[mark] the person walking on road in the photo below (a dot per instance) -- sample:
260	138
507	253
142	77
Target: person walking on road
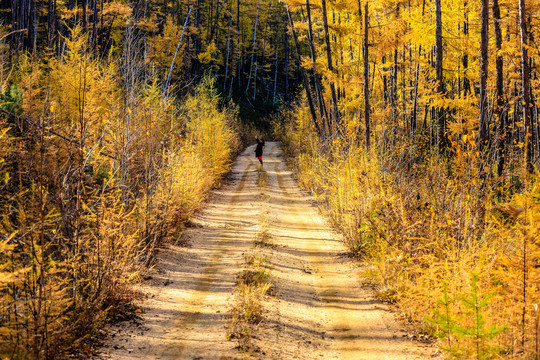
259	149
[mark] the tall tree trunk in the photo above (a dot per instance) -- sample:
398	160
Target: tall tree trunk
414	115
254	45
330	67
84	6
385	80
51	19
215	27
240	48
465	59
94	24
196	65
318	91
275	72
228	50
101	24
32	25
176	52
366	75
255	80
286	45
441	111
277	58
500	110
393	91
484	63
526	84
264	31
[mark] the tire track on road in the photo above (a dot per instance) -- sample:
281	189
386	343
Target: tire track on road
206	280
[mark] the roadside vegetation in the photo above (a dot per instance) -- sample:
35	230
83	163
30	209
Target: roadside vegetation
91	186
418	135
456	251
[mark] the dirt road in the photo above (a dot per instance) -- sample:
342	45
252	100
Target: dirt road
318	308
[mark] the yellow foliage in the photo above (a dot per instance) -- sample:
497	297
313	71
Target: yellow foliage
112	173
209	55
421	227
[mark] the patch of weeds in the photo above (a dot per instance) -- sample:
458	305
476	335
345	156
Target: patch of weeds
252	284
263	235
262	179
253	259
263	238
370	277
389	296
250	297
256	278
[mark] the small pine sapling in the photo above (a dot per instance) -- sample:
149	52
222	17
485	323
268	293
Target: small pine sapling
450	328
444	320
475	303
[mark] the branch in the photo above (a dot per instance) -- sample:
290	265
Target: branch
33	123
11	33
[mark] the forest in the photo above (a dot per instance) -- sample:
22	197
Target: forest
413	123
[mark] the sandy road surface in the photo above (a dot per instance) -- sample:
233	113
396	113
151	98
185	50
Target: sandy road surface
318	310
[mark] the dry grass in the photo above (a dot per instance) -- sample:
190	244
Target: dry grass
251	287
262	179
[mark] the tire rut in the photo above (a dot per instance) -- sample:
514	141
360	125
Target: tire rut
207	279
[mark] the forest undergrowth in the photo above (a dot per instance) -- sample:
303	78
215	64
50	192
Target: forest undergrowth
459	256
96	173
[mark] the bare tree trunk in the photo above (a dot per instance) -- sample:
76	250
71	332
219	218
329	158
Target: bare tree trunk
228	49
255	80
366	75
275	73
239	68
484	63
441	111
414	117
254	43
526	84
196	64
465	60
385	81
415	101
330	67
393	91
215	27
318	92
286	44
100	25
31	25
276	64
264	31
176	52
35	20
51	17
500	109
84	6
94	24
